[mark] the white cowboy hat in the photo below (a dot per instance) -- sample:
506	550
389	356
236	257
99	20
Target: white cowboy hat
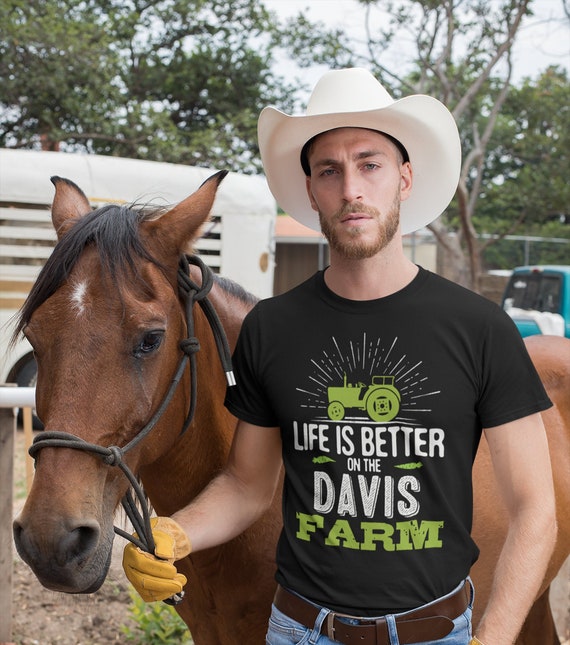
354	98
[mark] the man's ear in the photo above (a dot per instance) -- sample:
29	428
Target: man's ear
406	180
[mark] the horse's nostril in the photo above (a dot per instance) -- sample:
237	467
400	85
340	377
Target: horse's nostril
78	543
17	530
26	548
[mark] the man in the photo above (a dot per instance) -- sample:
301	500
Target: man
372	382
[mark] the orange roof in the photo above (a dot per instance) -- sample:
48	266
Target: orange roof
286	226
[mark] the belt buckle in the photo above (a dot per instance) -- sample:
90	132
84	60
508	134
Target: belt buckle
330	625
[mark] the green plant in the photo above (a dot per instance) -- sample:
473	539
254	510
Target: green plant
155	624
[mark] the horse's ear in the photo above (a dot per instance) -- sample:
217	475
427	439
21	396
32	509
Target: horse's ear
69	204
178	227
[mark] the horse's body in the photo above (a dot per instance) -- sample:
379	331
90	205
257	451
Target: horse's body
551	356
107	340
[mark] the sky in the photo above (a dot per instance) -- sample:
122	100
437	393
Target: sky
542	40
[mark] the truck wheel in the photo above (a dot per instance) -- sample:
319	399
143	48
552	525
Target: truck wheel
382	405
335	411
27	376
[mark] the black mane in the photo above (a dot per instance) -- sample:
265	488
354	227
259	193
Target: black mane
114	230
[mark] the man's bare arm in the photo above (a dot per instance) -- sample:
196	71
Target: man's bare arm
240	493
521	462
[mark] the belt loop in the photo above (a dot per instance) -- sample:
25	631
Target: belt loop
316	633
392	629
330	625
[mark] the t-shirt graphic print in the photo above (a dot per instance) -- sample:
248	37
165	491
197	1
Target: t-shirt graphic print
365	398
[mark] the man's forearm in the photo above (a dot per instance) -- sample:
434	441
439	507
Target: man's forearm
220	513
518	577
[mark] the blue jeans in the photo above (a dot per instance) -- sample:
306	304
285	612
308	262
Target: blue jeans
285	631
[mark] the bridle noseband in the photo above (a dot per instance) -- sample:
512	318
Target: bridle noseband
191	293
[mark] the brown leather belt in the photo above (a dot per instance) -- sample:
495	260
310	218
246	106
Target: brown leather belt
424	624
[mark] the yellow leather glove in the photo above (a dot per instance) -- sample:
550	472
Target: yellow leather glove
156	578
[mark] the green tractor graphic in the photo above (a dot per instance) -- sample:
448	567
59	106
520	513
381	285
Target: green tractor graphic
380	399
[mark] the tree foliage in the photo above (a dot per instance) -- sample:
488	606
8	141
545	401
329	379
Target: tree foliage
528	157
56	71
169	80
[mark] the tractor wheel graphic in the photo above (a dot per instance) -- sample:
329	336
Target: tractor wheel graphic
335	411
382	405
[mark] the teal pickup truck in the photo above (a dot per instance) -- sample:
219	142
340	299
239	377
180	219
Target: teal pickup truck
537	298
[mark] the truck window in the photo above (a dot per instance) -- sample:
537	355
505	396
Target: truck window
537	291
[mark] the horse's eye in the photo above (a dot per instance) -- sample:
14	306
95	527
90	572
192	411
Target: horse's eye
150	342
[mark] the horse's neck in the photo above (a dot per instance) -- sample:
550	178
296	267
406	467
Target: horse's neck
230	308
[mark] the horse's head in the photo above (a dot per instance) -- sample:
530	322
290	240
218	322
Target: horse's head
105	321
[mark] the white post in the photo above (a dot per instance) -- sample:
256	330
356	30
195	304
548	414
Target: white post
7	430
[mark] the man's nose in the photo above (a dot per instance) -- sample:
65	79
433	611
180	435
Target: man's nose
352	189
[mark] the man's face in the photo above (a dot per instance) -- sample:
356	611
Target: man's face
356	185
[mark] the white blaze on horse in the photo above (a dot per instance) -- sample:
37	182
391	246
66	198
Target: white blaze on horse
124	393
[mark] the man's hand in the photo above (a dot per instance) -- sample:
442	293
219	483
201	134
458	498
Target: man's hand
156	578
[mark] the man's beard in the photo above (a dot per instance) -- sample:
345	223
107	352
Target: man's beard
356	248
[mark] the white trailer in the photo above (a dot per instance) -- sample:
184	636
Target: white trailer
237	243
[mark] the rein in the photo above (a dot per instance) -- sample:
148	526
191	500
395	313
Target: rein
191	293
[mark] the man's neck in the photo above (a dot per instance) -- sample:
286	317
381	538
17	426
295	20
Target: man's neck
370	279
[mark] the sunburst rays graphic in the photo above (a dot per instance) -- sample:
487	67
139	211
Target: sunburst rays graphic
360	361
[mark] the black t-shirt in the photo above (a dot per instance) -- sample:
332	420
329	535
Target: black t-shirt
381	405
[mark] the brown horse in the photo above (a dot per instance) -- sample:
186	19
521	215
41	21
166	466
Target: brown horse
551	356
106	321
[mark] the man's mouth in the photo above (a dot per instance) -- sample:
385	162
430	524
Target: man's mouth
354	217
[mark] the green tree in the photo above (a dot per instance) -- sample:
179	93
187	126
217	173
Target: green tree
169	80
528	160
56	71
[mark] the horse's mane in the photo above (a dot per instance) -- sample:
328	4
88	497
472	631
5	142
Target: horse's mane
234	289
114	231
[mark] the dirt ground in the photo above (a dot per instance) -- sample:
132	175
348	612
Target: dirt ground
42	617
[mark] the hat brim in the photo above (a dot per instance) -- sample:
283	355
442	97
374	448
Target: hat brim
421	123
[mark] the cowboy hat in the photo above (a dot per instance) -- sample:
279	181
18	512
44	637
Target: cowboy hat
354	98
